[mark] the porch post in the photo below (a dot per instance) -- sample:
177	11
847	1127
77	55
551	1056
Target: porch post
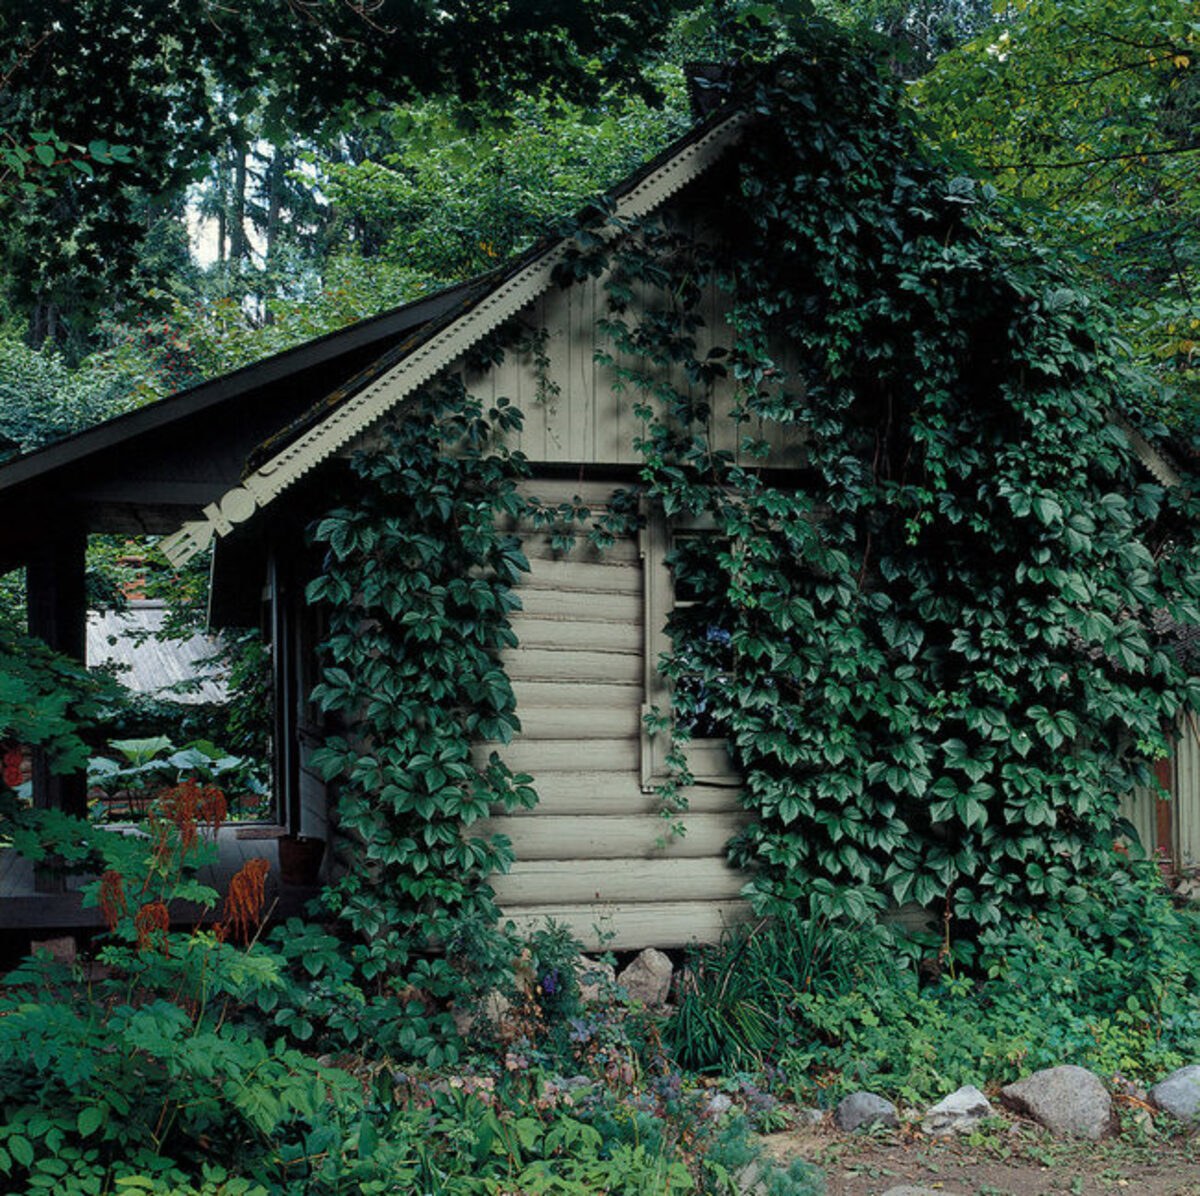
57	610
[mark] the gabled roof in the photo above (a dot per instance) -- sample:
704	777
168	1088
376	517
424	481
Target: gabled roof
221	390
226	449
414	360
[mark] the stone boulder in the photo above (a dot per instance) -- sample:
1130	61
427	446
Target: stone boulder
1179	1093
957	1113
490	1012
63	949
596	979
1067	1100
647	978
862	1110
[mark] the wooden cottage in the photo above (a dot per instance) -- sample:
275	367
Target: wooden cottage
242	463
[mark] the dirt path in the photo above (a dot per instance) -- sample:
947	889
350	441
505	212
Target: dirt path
1006	1159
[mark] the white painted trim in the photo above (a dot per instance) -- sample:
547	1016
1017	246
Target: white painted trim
352	417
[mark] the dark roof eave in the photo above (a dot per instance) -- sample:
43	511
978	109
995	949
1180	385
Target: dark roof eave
229	386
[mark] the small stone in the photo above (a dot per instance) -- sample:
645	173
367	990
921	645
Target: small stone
490	1011
909	1190
717	1104
750	1180
862	1110
809	1117
62	949
647	978
1179	1093
1067	1100
1188	889
957	1113
596	979
495	1006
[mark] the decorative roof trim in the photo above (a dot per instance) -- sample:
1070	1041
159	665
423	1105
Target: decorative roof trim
356	414
1156	464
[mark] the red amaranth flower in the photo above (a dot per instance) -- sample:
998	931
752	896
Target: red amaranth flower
189	807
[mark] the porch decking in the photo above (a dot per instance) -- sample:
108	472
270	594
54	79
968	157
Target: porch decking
22	907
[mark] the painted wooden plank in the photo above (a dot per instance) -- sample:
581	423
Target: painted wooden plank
614	837
591	577
553	664
579	722
575	792
574	634
64	911
537	546
556	755
572	694
1140	808
538	602
629	927
1187	793
594	492
544	882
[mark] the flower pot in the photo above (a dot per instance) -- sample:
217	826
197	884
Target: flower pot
300	859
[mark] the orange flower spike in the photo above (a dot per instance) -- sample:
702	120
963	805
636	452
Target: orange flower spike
153	921
212	809
246	897
179	806
112	898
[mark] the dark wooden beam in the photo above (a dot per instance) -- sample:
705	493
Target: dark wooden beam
57	609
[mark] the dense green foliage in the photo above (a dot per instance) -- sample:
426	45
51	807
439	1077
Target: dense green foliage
942	658
831	1009
183	1063
418	587
936	652
1086	110
47	700
196	90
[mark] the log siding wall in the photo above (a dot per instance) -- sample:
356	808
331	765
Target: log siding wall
595	852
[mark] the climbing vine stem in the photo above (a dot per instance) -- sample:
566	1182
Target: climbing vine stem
418	585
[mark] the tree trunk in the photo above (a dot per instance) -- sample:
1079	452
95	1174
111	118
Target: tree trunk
238	244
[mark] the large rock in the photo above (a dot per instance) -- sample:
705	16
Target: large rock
1179	1093
62	950
957	1113
596	979
647	978
862	1110
1066	1100
489	1012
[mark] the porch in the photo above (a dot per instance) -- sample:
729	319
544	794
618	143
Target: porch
23	907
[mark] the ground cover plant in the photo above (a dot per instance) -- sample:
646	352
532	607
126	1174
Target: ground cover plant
827	1009
166	1049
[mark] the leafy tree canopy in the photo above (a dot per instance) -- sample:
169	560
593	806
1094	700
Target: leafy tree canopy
177	80
1086	110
